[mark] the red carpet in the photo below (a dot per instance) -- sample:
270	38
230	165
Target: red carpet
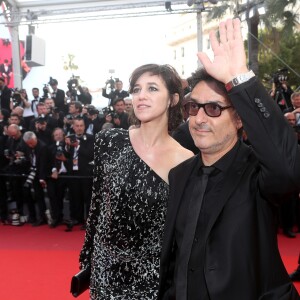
38	262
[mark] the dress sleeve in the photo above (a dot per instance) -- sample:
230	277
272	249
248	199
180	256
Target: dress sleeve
100	150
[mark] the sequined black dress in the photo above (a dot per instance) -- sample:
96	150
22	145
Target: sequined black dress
125	225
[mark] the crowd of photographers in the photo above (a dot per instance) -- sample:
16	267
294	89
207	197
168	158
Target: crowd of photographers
46	150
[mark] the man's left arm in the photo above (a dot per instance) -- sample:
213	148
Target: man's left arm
271	137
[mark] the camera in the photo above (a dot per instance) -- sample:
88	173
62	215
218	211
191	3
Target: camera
16	97
92	111
69	117
73	84
45	91
297	128
280	76
7	152
59	149
20	160
72	138
107	110
41	119
30	177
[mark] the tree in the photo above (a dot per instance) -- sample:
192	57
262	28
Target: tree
280	13
287	52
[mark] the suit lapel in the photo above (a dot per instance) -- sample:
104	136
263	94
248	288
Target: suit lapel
181	172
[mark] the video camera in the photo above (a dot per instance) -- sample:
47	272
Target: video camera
72	138
92	111
109	111
73	84
280	76
110	83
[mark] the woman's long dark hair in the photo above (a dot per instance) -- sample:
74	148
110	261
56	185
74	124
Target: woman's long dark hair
173	84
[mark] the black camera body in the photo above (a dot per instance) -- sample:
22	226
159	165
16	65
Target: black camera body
73	84
16	97
72	138
7	152
297	128
107	110
280	76
111	83
59	149
69	117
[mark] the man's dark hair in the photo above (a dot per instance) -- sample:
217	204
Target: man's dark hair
15	115
202	75
119	100
173	83
78	105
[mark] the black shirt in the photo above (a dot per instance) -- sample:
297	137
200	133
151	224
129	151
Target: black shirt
196	279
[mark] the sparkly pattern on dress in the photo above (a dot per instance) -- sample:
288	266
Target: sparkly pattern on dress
126	220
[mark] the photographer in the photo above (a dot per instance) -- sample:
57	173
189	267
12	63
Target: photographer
17	165
295	108
94	122
281	91
42	132
57	95
4	117
19	98
80	148
120	117
5	95
116	90
75	111
54	112
57	185
84	97
44	113
37	154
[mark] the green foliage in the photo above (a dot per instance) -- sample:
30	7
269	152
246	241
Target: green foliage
288	51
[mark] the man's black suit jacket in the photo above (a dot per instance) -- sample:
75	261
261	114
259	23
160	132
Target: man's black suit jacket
115	95
59	100
85	156
242	260
42	155
5	98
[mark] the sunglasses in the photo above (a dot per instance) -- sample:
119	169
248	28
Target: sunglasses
212	109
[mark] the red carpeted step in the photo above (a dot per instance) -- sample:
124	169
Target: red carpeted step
38	262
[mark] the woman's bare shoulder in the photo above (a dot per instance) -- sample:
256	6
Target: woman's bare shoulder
181	153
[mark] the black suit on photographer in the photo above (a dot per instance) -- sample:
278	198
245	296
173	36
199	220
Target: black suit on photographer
17	165
5	95
42	131
37	153
57	95
57	183
80	149
84	95
75	111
